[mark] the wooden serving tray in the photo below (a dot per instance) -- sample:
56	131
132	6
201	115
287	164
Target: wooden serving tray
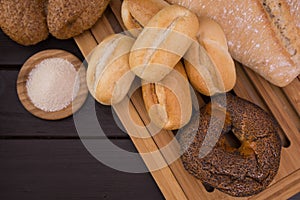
173	181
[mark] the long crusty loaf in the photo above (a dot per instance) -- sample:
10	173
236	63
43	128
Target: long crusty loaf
263	35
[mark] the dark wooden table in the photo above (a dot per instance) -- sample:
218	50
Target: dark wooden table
45	159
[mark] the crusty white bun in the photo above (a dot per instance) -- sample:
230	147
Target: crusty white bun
168	102
108	75
208	64
263	35
163	42
136	13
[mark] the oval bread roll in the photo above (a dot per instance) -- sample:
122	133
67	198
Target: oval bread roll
162	43
208	63
136	13
108	75
168	102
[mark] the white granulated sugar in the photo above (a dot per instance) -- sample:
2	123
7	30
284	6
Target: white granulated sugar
52	84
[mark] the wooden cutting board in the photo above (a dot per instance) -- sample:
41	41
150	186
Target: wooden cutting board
173	181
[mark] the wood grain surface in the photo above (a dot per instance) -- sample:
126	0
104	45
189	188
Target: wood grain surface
249	86
43	159
64	169
46	160
31	63
12	112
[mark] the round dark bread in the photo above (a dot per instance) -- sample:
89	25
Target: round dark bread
24	21
242	171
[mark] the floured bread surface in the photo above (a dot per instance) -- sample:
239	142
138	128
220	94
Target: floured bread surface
294	6
24	21
251	36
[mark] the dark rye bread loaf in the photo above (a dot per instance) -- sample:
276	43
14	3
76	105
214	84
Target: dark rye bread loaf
262	34
236	170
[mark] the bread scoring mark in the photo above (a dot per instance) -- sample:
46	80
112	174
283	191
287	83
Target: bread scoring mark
104	61
153	93
275	12
135	21
157	41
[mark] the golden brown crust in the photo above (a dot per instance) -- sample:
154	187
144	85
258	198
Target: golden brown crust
155	52
208	63
67	19
108	75
168	102
24	21
136	13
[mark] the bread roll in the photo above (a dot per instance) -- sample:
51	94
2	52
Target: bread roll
162	43
24	21
168	102
108	75
136	13
208	63
263	35
67	19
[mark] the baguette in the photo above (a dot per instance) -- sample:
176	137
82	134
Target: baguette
163	42
168	102
263	35
208	63
108	75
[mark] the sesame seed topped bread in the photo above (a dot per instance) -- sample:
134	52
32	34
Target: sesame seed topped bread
24	21
29	21
70	18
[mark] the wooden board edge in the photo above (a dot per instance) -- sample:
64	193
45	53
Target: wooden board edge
86	43
282	189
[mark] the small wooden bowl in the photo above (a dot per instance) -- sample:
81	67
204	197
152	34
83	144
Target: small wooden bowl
30	64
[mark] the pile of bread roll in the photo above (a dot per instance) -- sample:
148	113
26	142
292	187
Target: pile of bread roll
168	47
28	22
